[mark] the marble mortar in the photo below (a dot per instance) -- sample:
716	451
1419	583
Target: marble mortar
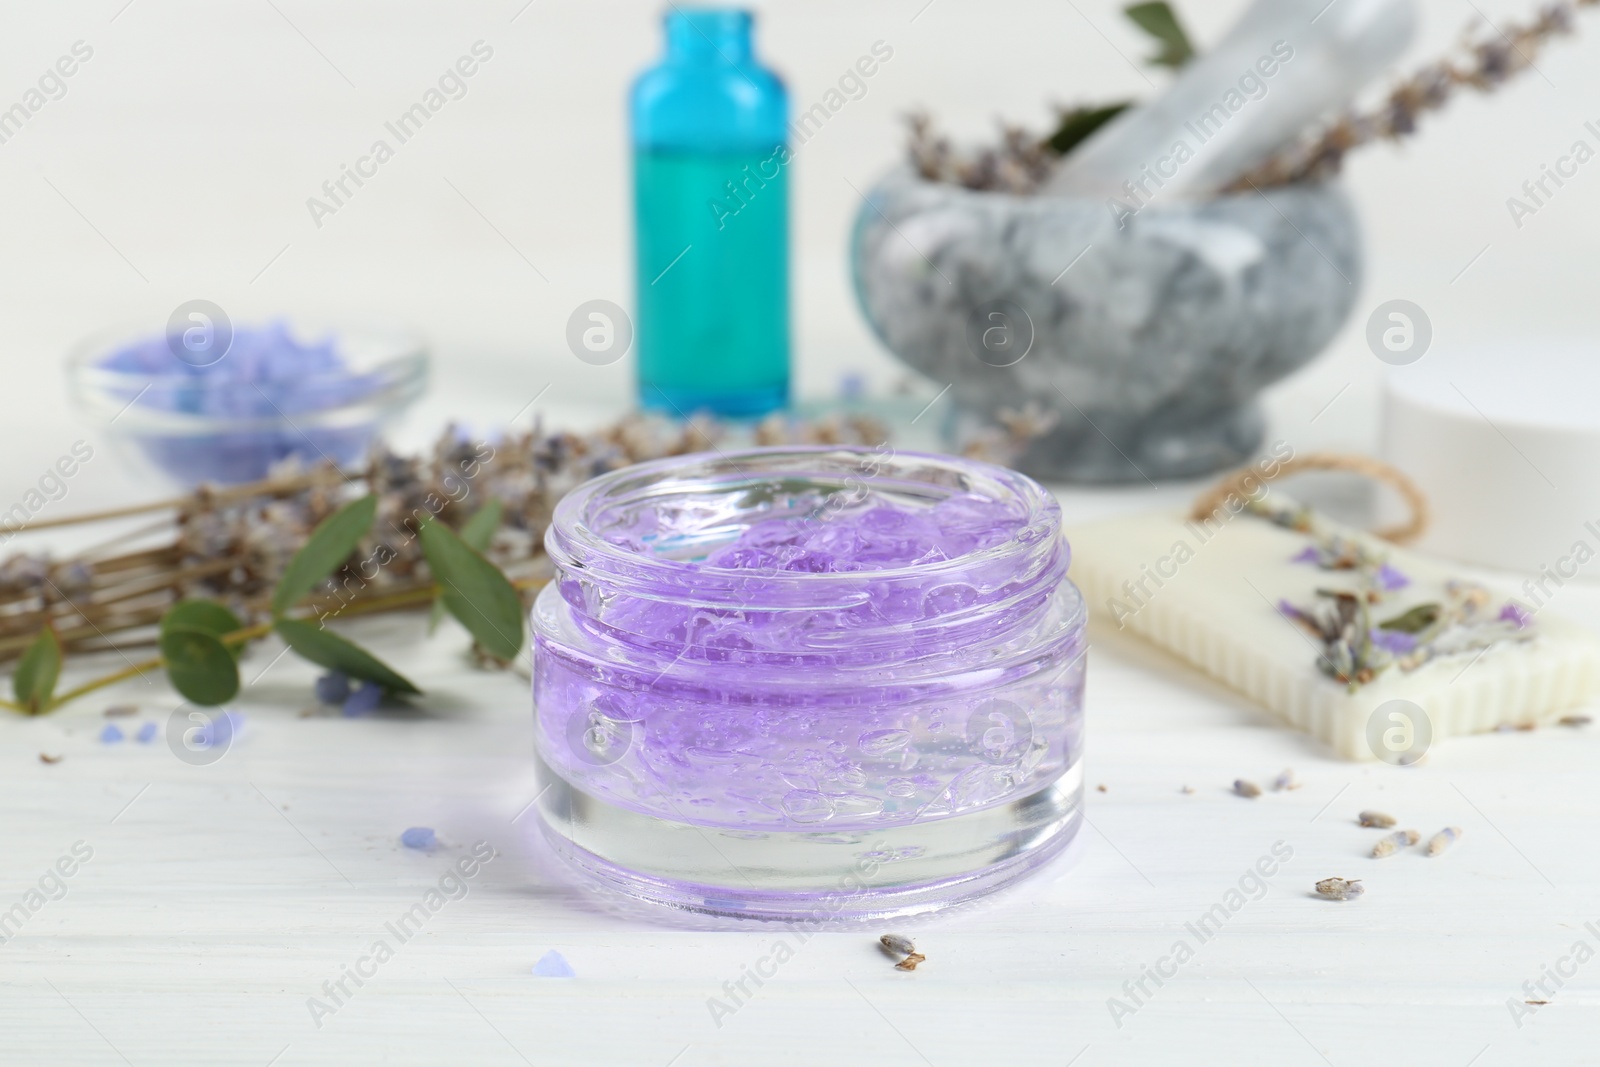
1147	342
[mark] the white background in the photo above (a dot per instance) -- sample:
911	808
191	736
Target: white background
184	152
193	138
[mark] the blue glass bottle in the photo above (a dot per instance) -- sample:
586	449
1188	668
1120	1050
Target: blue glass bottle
711	204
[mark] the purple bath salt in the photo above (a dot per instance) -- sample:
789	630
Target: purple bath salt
267	384
111	734
815	656
363	700
418	837
553	965
146	734
266	371
332	688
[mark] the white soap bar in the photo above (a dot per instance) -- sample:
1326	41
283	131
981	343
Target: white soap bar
1210	592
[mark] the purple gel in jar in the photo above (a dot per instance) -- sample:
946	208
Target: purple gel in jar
809	682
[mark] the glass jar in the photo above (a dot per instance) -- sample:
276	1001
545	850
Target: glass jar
752	700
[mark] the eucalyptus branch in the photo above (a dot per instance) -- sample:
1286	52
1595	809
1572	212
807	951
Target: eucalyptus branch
459	529
411	598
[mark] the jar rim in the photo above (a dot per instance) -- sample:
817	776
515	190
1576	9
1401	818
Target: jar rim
572	538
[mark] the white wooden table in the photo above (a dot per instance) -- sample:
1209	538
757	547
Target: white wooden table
219	899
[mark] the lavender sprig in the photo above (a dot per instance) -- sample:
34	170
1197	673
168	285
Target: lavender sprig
1485	65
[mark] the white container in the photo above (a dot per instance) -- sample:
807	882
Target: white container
1504	438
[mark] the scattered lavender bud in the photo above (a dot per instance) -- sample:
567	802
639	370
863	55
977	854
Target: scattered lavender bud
1390	579
1246	789
120	711
1574	720
1375	818
47	758
910	962
363	700
1443	840
1340	889
553	965
1286	780
1389	843
333	688
146	734
111	734
897	945
1516	615
1186	790
418	837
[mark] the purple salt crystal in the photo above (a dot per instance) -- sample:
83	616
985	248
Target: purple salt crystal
146	734
553	965
111	734
1309	554
333	688
418	837
1516	614
1395	642
1391	579
265	373
222	729
364	700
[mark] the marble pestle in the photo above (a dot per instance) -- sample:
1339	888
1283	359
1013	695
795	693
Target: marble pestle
1283	65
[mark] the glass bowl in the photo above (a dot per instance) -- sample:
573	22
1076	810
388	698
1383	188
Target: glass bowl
228	424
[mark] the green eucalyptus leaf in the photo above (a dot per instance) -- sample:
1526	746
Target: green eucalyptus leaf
330	544
199	666
1161	22
1414	621
474	590
1077	124
205	615
477	531
34	682
327	649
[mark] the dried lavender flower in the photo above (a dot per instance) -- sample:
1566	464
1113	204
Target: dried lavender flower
1485	66
1340	888
1246	788
896	945
1389	844
1443	840
1375	818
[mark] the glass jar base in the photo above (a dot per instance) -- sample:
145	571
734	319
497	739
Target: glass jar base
813	875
